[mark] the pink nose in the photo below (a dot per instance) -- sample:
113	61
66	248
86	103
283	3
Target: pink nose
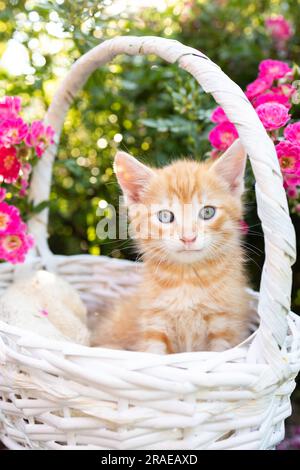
188	238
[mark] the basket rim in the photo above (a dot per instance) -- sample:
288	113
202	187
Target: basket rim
27	338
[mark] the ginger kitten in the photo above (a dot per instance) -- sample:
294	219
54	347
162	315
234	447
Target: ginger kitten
185	218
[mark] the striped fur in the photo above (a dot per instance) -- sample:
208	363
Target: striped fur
192	297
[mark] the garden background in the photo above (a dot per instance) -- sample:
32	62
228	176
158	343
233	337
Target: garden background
142	105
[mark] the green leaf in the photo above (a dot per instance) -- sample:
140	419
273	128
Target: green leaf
41	206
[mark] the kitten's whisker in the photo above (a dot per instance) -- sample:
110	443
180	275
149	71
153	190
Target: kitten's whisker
121	246
245	255
255	234
252	248
255	225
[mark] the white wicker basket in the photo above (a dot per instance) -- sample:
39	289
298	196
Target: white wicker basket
62	395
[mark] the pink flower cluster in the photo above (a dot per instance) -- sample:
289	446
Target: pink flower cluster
223	135
270	94
21	145
14	239
272	106
17	137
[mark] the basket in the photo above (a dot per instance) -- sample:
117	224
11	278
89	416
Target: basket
57	395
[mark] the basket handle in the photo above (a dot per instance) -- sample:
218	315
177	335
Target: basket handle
276	281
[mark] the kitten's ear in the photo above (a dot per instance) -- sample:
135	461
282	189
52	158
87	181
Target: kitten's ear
132	176
231	166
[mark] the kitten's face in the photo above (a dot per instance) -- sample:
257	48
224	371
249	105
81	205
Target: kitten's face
185	212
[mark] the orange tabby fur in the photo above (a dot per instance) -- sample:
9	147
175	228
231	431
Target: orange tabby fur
192	296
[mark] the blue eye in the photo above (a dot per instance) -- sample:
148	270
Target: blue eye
165	217
207	212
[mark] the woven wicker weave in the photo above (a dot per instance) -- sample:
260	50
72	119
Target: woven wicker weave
62	395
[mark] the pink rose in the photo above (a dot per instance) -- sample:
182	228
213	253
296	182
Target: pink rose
272	98
12	131
273	115
289	158
273	69
9	164
290	180
15	245
223	135
9	218
40	137
279	28
218	115
292	133
10	106
292	192
259	86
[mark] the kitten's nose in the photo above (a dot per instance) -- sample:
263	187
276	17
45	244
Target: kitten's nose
188	238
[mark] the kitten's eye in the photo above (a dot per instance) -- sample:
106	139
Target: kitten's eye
207	212
166	217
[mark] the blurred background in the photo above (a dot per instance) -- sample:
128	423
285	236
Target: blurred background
139	104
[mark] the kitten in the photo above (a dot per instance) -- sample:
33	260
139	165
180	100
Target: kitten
186	221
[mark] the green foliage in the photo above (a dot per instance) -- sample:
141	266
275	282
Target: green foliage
139	104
